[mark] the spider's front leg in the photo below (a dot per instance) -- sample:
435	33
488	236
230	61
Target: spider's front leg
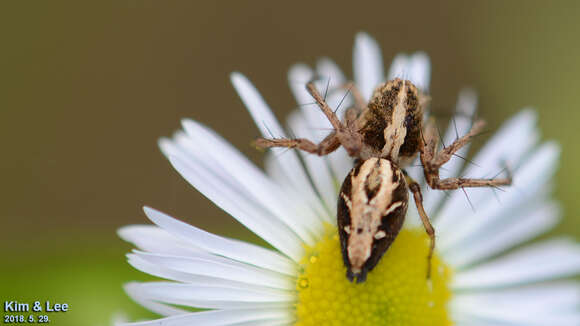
352	114
433	160
359	101
347	135
325	147
343	134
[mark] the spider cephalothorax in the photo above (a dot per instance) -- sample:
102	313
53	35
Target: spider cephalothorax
391	123
384	136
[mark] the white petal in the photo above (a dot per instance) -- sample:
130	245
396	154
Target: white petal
549	298
236	203
328	83
260	111
154	239
529	182
521	127
339	161
544	261
156	307
341	164
367	64
461	318
412	220
399	67
316	127
162	272
458	126
415	68
530	222
316	166
419	70
490	160
218	155
316	123
309	122
228	317
468	315
337	95
230	248
274	170
118	318
326	67
211	267
269	127
287	321
185	277
212	296
415	171
510	314
298	76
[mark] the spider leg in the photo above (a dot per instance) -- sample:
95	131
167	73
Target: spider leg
359	101
347	137
446	153
432	162
325	147
416	190
328	112
456	183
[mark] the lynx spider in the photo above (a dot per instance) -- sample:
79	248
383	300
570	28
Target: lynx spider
384	136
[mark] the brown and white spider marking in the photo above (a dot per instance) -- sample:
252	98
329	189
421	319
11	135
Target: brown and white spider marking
383	136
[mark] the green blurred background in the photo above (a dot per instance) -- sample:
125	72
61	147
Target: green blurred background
87	89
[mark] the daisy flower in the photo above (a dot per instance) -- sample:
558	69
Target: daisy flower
212	280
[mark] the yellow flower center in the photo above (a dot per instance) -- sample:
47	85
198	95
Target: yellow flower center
396	291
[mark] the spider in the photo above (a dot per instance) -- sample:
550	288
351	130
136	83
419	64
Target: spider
384	136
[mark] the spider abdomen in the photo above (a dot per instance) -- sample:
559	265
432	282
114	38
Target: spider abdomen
372	205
